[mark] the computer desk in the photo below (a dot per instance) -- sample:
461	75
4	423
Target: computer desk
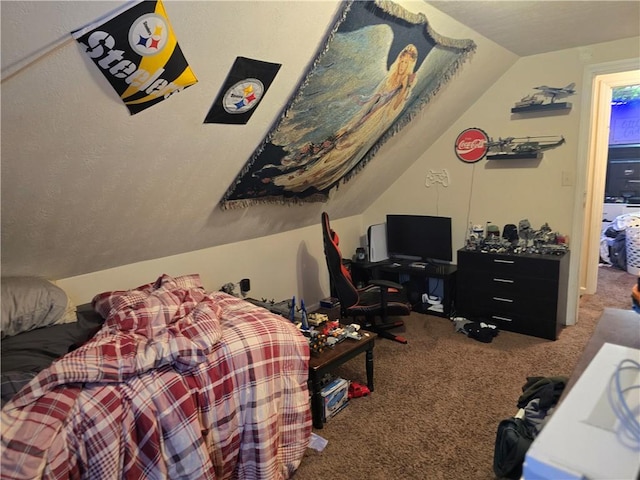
362	272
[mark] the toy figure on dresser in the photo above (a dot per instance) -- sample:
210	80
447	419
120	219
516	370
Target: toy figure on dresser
493	231
510	233
516	240
479	235
475	236
524	232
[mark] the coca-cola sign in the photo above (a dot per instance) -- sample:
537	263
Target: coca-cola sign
471	145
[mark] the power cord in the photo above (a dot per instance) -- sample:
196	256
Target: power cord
629	421
473	171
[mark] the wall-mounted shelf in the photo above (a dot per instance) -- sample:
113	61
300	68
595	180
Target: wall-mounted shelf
542	108
514	156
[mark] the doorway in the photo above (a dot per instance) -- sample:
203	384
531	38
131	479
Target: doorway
602	87
598	83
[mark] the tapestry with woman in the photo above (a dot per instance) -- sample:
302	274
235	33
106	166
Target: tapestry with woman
327	163
379	66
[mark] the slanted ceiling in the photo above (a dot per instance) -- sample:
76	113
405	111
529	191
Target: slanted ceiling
87	187
532	27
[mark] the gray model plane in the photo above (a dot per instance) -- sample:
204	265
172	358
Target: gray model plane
500	145
556	92
510	145
537	144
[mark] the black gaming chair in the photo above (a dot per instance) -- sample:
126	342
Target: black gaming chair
381	298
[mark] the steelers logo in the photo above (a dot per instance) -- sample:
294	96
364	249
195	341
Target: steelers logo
243	96
148	34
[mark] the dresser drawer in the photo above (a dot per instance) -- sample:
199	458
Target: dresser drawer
543	306
519	323
506	284
529	266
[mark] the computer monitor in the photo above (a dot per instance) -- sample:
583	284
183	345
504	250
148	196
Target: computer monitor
419	237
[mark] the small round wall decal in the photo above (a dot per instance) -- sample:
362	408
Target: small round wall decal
471	145
148	35
243	96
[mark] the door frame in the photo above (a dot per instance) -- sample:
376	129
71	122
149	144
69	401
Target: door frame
598	83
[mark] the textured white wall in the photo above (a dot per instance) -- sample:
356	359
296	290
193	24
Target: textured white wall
104	200
235	229
86	186
279	266
507	191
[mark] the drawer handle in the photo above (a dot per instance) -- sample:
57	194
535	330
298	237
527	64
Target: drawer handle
497	260
496	317
500	299
503	280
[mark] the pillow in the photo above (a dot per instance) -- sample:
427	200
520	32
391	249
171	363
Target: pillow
32	302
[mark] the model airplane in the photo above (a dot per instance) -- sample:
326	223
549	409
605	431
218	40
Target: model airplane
529	101
537	144
501	145
511	145
556	92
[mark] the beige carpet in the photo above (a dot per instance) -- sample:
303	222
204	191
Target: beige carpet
439	399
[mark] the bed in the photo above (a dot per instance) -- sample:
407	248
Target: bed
175	382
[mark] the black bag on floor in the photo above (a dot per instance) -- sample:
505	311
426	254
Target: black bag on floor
513	439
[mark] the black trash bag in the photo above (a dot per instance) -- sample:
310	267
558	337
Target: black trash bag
513	439
618	251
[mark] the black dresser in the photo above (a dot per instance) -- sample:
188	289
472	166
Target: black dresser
520	293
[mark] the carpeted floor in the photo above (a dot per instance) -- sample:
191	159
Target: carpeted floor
439	399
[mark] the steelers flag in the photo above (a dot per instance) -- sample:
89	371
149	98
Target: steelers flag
136	49
245	86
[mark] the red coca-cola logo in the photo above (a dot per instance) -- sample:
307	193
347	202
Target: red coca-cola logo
471	145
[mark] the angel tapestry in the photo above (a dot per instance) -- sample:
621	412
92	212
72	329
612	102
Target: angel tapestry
379	66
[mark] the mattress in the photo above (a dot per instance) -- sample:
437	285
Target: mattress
26	354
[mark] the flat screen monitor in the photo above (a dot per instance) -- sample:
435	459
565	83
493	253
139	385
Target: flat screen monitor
419	237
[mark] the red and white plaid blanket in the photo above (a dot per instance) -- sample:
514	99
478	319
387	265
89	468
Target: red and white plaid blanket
178	384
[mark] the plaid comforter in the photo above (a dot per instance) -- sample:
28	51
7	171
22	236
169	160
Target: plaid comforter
179	383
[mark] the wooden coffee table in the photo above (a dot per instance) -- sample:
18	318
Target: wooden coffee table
329	359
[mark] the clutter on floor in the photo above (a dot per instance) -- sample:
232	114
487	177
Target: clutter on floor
481	331
515	434
335	397
357	390
317	443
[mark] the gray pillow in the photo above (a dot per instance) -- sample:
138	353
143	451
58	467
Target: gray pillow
32	302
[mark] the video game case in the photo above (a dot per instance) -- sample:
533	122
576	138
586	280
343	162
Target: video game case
329	302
